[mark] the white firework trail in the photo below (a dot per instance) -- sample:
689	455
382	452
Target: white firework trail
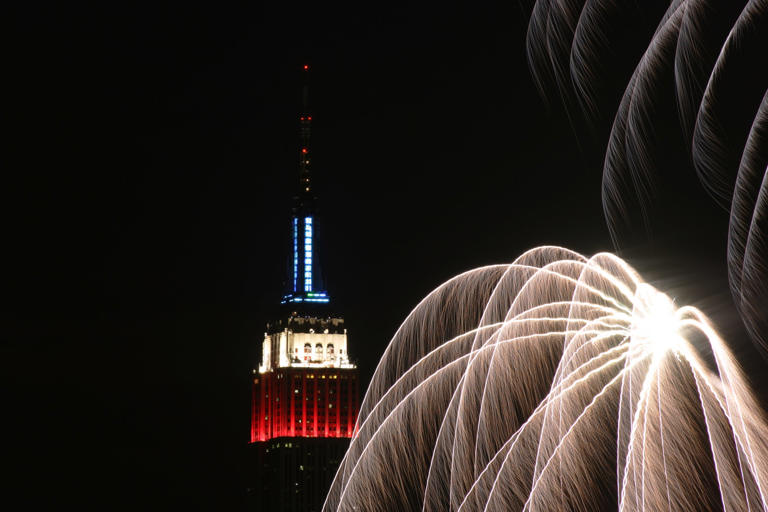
711	57
557	382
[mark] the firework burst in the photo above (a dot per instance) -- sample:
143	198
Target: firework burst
557	382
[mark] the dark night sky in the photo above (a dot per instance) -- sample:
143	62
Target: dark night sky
154	159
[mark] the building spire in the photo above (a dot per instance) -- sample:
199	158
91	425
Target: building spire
305	130
305	279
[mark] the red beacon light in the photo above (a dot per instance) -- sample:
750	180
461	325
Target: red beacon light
304	150
306	67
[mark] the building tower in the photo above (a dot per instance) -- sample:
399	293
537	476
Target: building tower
305	394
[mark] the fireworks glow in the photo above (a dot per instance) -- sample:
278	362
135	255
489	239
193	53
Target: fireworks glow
708	58
557	382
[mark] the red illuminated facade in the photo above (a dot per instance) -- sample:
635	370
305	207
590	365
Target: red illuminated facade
304	402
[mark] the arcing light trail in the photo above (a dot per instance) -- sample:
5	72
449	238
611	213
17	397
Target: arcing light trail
557	382
710	56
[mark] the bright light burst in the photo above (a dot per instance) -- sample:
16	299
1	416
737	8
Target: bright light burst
557	382
655	325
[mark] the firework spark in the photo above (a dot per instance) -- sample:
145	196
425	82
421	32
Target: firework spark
710	56
557	382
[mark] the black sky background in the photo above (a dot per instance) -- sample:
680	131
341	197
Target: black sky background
153	161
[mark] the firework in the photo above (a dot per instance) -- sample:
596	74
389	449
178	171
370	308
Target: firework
557	382
710	56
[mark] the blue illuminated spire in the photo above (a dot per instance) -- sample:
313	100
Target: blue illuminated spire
295	273
305	284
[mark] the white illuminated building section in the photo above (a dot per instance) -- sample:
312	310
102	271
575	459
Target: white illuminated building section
299	345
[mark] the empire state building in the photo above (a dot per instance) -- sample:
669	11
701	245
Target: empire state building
305	391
